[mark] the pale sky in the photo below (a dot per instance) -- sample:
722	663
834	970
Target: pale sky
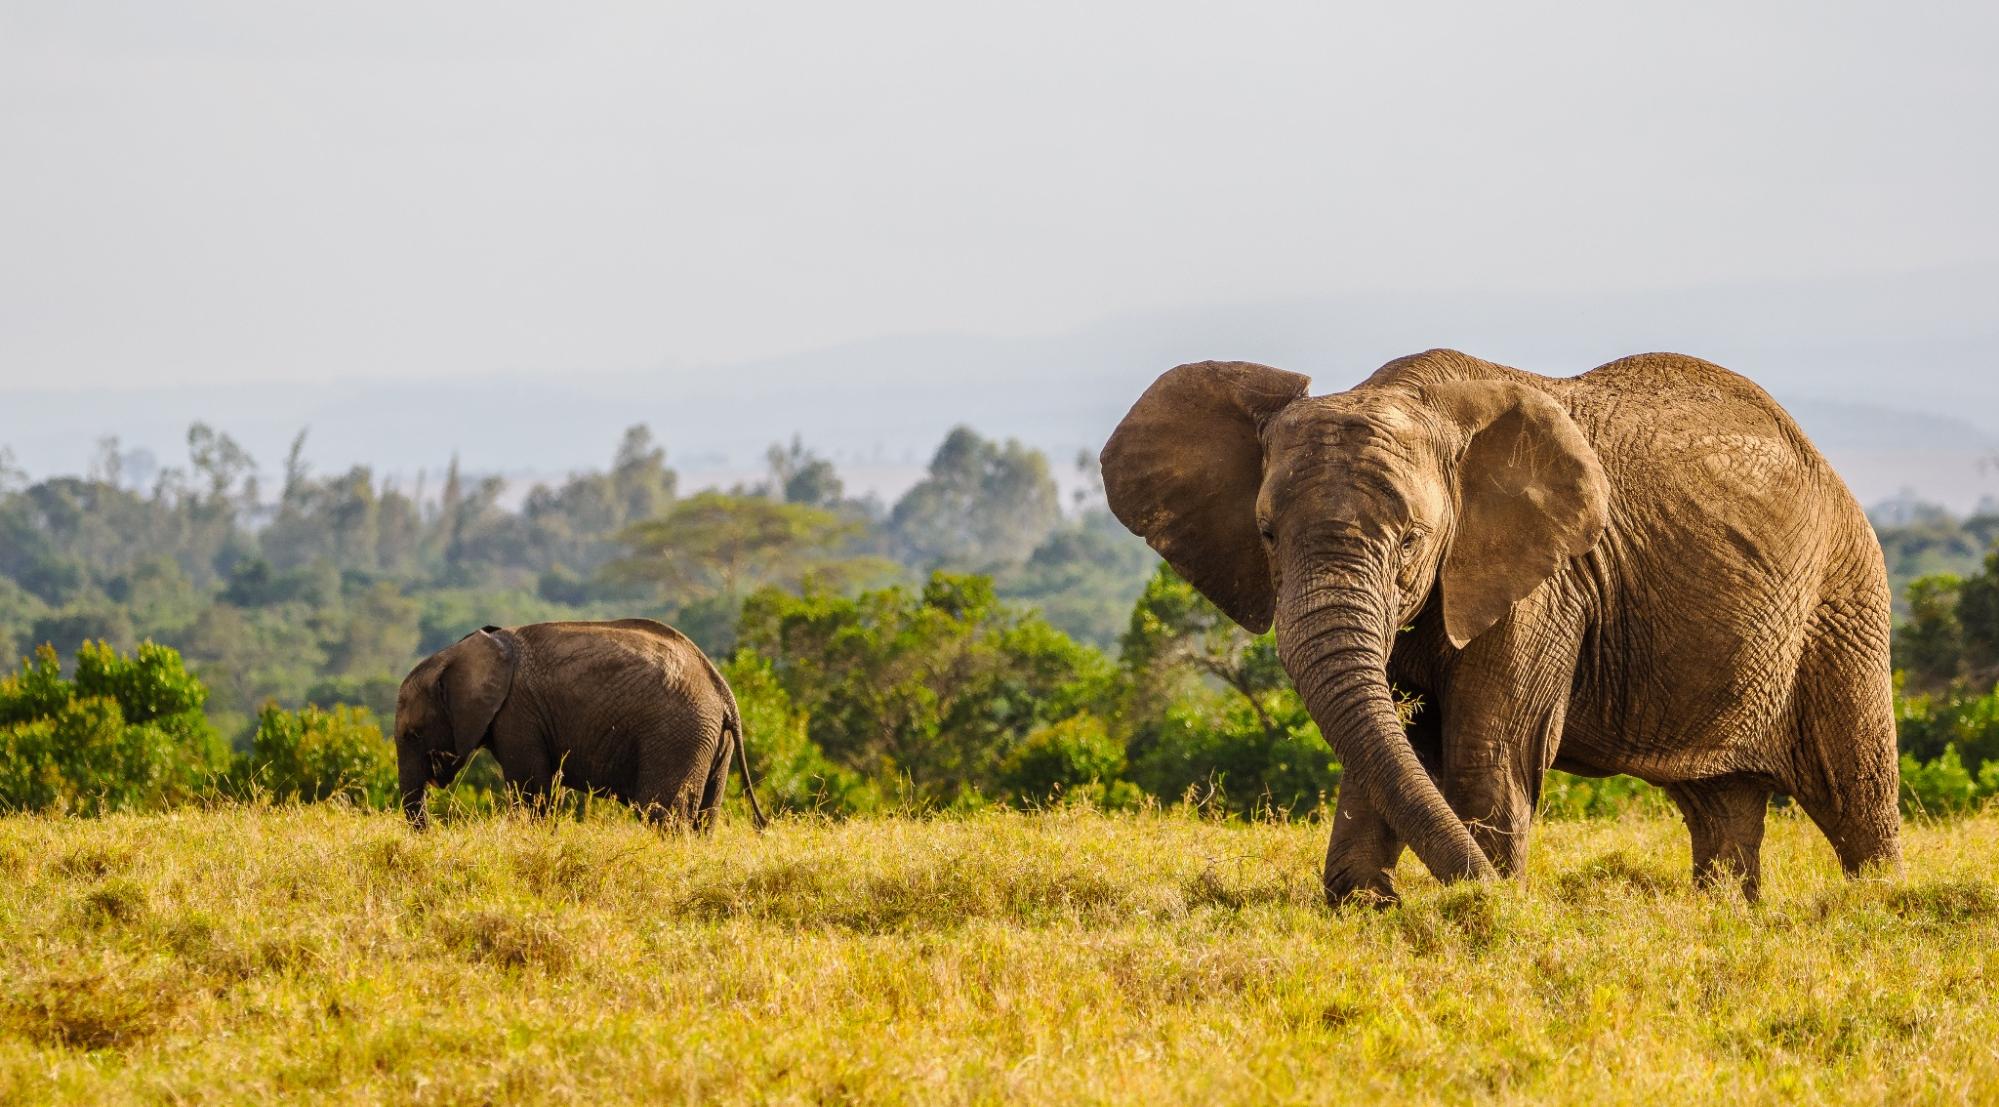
206	191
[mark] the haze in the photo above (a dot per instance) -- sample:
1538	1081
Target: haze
211	192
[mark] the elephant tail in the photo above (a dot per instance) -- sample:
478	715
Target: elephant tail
743	763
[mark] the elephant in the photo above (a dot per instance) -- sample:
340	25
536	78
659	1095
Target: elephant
631	708
1645	569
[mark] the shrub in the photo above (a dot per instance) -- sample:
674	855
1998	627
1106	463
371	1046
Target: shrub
792	773
1564	796
316	754
928	689
125	733
1927	723
1220	746
1944	786
1075	757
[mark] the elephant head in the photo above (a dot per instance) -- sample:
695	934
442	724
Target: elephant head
444	710
1338	516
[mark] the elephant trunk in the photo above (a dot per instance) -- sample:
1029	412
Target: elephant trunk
413	772
1335	643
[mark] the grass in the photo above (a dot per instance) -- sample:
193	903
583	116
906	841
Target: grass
250	954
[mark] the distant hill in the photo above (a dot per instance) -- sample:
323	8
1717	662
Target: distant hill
1894	378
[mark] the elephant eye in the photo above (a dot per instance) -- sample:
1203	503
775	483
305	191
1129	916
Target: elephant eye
1264	528
1409	541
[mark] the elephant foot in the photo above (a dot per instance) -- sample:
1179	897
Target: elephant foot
1727	874
1376	890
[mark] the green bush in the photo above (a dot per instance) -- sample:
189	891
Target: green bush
1927	723
1944	786
1075	758
125	733
1221	750
1564	796
925	693
792	773
316	754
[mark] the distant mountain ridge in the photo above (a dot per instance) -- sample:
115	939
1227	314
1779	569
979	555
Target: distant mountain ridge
1894	379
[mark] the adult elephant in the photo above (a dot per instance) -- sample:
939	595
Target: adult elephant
631	708
1646	569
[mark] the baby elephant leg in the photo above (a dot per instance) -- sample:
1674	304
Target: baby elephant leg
677	771
1725	816
718	783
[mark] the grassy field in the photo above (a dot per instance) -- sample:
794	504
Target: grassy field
249	954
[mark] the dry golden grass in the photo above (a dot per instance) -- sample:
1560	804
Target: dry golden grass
254	954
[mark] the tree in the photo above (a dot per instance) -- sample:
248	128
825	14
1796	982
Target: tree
223	463
934	688
12	476
107	465
1978	615
639	474
569	530
714	544
124	733
19	610
1084	577
475	529
314	754
1252	746
798	476
981	505
378	634
1175	632
1920	539
792	772
1929	647
1952	634
249	656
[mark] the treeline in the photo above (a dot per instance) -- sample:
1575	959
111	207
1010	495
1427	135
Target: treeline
970	643
1925	540
1947	684
327	591
902	698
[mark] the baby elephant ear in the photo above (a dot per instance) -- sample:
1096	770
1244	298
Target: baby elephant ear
1183	469
1531	496
478	674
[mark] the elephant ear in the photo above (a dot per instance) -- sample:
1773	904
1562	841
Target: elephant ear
1183	470
478	674
1531	495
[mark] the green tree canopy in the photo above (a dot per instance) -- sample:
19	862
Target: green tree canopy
935	687
122	733
1176	634
716	544
983	504
799	476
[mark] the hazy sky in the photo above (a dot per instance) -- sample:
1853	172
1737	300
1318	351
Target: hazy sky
207	191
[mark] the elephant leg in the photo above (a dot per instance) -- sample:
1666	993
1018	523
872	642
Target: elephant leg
717	785
673	773
524	763
1360	854
1843	769
1725	816
1503	715
1363	849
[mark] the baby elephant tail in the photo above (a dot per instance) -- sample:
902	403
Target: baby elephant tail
743	762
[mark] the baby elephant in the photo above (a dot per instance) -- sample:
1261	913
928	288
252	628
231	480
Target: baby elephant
630	708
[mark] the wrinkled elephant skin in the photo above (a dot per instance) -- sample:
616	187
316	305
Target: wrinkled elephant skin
630	708
1645	569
